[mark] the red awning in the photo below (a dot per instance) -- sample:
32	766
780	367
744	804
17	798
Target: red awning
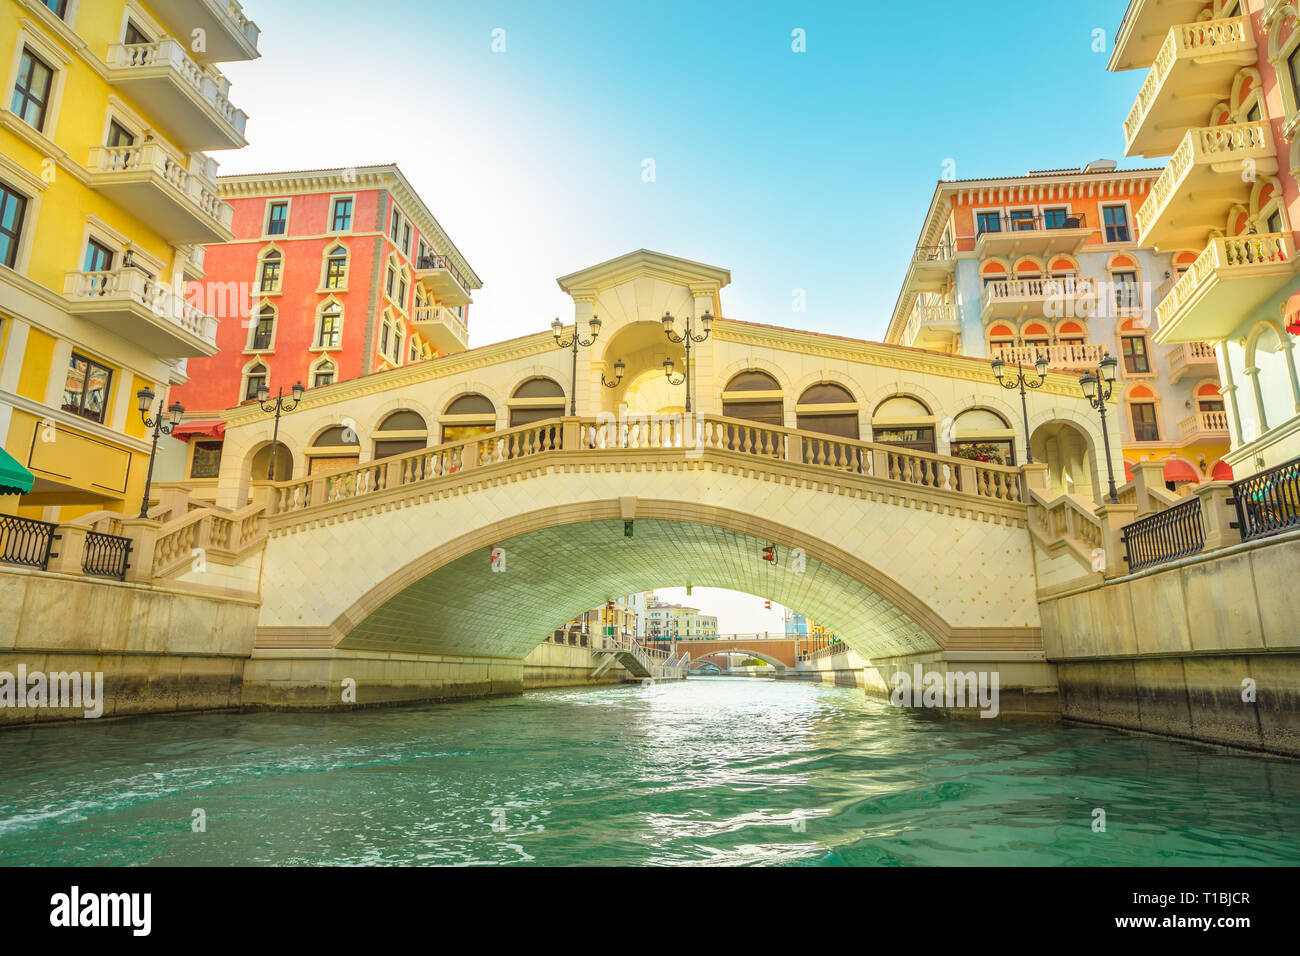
1128	471
1292	313
187	430
1177	470
1222	472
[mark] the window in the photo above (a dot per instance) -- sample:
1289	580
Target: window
401	291
1136	359
1127	293
413	354
256	379
406	240
1275	222
336	269
134	36
1022	219
331	327
1116	220
1144	422
270	281
85	391
384	335
264	330
1210	405
1293	65
32	90
1055	218
342	215
324	374
396	232
119	136
99	258
58	7
390	282
916	439
277	223
13	208
206	462
1255	114
988	222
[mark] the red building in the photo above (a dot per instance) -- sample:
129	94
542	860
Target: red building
332	274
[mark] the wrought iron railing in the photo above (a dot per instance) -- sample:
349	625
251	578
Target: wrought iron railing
991	226
106	555
436	260
1177	532
1269	502
25	541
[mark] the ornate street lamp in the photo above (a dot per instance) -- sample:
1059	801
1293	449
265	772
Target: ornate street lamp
1040	366
278	406
1097	389
619	369
575	342
686	338
174	413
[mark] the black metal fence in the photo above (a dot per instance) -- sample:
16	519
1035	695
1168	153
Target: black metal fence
1269	502
106	555
25	541
1167	536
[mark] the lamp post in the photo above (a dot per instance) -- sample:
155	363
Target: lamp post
1098	388
619	369
575	342
1040	366
145	397
278	406
686	338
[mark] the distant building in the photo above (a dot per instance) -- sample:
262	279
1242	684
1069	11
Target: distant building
672	622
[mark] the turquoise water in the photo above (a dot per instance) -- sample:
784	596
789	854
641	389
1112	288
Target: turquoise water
711	771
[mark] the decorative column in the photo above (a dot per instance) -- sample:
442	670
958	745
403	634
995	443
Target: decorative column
705	389
586	385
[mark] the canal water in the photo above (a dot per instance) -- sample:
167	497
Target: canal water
710	771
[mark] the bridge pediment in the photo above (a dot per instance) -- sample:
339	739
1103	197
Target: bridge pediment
641	286
645	263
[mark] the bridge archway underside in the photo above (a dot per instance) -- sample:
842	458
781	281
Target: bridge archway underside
894	571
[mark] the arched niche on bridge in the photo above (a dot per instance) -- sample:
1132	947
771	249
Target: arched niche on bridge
537	399
644	389
828	409
1071	460
400	432
333	449
905	421
755	396
467	416
260	462
984	432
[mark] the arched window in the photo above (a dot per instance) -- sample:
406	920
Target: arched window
983	435
1143	413
468	416
754	396
1036	335
323	372
401	432
1002	339
334	449
270	272
329	325
1124	280
536	400
256	376
829	409
390	338
336	268
1135	349
903	421
261	334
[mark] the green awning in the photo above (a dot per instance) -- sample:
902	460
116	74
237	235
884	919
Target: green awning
14	478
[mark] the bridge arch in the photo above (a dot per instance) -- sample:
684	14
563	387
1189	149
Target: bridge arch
778	666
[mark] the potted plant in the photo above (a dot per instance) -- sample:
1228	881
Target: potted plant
989	454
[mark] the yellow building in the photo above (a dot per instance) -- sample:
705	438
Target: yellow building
107	197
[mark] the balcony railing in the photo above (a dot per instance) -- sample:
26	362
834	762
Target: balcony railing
1205	175
25	541
1177	532
1033	223
1038	290
230	35
202	216
167	58
1188	358
1268	503
1230	42
128	290
106	555
1223	260
1203	425
941	253
442	327
437	261
1062	357
929	316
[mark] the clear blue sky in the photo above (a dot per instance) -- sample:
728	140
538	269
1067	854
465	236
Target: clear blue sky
794	170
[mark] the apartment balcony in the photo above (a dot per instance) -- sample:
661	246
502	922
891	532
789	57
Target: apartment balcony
441	328
1192	359
1146	25
137	308
1060	358
934	327
1192	71
1205	428
154	185
1202	181
194	263
931	268
228	34
189	102
1034	235
441	277
1228	281
1058	298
